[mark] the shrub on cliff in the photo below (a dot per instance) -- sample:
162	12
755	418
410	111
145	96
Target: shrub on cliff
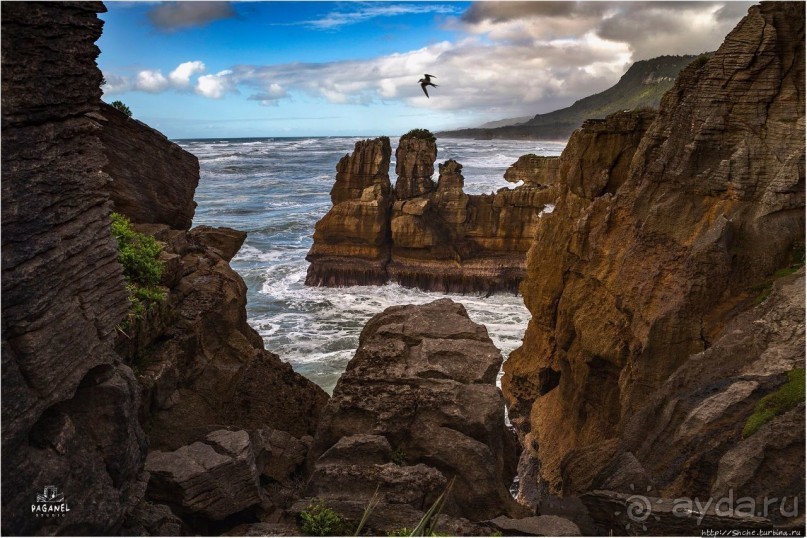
139	254
424	134
122	107
319	520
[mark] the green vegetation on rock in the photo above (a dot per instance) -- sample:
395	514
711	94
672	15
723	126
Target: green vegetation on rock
122	107
701	60
763	290
423	134
319	520
139	255
399	457
774	404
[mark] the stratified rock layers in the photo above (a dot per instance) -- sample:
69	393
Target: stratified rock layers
425	235
63	289
81	372
153	179
423	385
351	242
642	267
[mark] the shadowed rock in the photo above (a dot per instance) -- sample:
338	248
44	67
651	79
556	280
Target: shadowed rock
422	383
69	406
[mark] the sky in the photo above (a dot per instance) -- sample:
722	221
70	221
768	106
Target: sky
254	69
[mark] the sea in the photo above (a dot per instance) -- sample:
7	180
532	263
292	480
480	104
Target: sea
276	189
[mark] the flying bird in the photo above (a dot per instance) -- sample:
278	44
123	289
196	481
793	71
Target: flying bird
426	81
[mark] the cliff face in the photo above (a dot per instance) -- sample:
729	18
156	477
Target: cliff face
63	289
153	179
426	235
642	266
82	379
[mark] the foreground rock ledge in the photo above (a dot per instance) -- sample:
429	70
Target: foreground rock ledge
417	406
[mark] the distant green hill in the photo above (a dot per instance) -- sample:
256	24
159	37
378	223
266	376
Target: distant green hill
640	87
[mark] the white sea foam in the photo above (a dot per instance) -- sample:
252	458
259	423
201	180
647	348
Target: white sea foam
277	194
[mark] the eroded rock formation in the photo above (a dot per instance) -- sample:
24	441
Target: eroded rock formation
81	378
636	366
426	235
351	243
417	406
63	289
153	179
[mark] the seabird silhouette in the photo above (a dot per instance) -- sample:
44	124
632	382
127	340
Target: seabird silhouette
427	81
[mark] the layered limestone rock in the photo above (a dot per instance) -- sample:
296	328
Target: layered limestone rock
199	363
351	242
636	280
213	479
69	415
153	179
417	406
414	164
427	235
81	373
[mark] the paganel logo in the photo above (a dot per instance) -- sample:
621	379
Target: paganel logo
50	503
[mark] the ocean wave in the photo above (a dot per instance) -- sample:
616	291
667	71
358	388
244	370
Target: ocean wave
277	194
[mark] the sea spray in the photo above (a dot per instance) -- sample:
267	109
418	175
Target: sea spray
276	189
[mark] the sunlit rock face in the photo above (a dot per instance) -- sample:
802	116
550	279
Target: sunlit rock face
426	234
641	276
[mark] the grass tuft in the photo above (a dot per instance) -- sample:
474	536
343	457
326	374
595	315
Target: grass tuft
319	520
774	404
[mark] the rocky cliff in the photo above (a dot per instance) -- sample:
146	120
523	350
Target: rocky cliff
153	179
97	397
421	233
63	289
637	366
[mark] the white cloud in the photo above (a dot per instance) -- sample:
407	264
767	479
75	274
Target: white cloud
517	58
150	81
215	86
181	76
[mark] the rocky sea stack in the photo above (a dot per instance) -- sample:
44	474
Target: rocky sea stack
424	234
